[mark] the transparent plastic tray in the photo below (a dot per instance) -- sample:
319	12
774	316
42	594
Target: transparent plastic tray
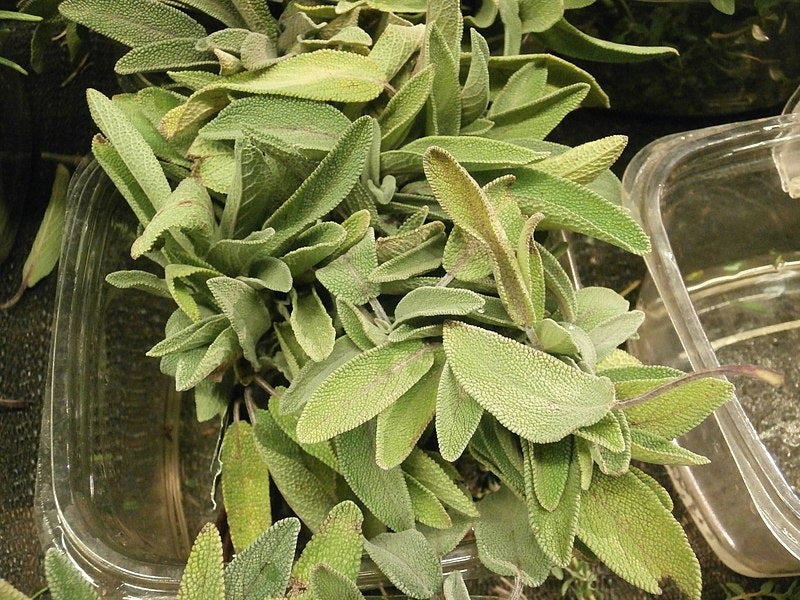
724	281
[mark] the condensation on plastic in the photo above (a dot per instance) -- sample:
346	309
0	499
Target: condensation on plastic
124	468
742	504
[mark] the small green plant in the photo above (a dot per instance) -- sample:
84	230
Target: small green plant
10	15
579	580
768	590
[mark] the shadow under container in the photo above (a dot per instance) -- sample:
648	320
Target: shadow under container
124	467
724	288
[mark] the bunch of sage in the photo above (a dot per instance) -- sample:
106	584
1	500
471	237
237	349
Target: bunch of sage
355	215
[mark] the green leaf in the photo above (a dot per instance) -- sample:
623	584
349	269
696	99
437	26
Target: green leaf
195	365
65	581
444	103
313	374
383	492
311	126
257	17
130	145
245	485
302	489
532	393
548	465
262	569
427	508
676	411
323	451
211	399
471	210
436	301
509	14
313	246
245	310
242	256
327	185
398	117
473	153
433	477
537	118
457	416
164	55
528	83
188	209
196	334
359	327
555	529
444	541
454	586
724	6
540	15
647	447
506	544
610	462
395	46
337	544
475	93
402	423
312	325
408	561
363	387
132	24
639	539
391	246
326	75
327	583
563	38
247	204
584	163
203	578
486	448
607	432
8	592
116	169
447	17
663	495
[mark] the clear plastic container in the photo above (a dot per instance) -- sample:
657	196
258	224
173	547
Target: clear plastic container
124	468
724	287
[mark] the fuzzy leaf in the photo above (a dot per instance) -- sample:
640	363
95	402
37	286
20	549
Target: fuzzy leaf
558	283
194	366
444	541
533	394
363	387
383	492
65	581
647	447
639	540
610	462
245	205
475	93
243	256
303	491
540	15
401	111
337	544
444	103
313	246
436	301
457	416
549	466
607	432
132	24
359	327
196	334
347	277
454	586
248	316
327	185
471	210
395	46
257	17
427	508
203	578
312	325
527	83
408	561
506	544
245	485
473	153
262	569
402	423
310	126
584	163
8	592
116	169
447	17
327	583
164	55
433	477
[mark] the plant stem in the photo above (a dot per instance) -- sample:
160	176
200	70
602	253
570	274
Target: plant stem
379	312
774	378
445	281
250	404
264	385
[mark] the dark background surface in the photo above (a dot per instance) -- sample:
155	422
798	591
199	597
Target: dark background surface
59	123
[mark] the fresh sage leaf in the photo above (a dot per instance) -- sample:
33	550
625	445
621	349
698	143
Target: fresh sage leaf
312	325
408	561
203	578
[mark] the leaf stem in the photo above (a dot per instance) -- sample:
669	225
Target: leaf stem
379	311
264	385
250	404
445	281
15	298
516	592
774	378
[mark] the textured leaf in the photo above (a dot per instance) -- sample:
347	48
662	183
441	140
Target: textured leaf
395	46
363	387
247	255
509	15
116	169
454	586
327	583
359	327
607	432
203	578
132	24
558	283
246	204
323	451
303	491
427	508
526	84
473	153
563	38
326	75
401	111
130	145
663	495
314	373
586	162
533	394
65	581
245	485
610	462
244	309
327	185
433	477
444	541
383	492
457	416
195	365
8	592
540	15
549	466
639	539
164	55
337	544
312	325
436	301
257	17
444	104
391	246
647	447
313	246
196	334
475	93
402	423
486	448
471	210
505	541
408	561
211	399
311	126
447	17
262	569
